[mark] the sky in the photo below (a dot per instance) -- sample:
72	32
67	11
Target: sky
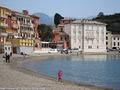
67	8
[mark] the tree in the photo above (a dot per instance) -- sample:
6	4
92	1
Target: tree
100	14
45	32
57	18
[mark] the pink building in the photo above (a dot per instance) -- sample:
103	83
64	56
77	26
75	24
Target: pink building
61	38
36	22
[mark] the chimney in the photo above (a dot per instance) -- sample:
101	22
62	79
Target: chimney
25	12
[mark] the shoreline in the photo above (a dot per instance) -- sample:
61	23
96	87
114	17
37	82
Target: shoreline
16	64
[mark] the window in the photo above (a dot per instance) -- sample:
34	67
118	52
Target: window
102	41
87	34
61	38
106	43
97	34
74	27
61	30
102	28
89	47
106	38
74	33
92	34
114	44
97	27
79	33
114	38
87	27
87	41
91	41
97	41
102	33
79	41
74	41
65	38
8	48
92	27
79	27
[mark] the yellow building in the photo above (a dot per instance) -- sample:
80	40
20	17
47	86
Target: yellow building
22	45
3	24
21	42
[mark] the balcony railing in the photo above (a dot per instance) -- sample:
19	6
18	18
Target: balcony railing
3	16
15	26
21	22
4	24
89	37
3	34
26	31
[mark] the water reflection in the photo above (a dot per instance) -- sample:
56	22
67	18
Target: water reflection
99	70
96	57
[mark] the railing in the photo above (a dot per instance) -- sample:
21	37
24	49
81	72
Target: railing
4	25
15	26
21	22
3	16
3	34
89	37
26	31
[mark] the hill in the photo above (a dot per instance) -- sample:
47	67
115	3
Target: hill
112	21
45	19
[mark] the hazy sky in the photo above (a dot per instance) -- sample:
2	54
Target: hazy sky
67	8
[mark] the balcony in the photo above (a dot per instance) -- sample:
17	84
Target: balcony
26	31
3	34
13	18
3	16
89	37
15	26
4	25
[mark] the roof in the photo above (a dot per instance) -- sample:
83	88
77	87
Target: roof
86	21
34	16
67	19
21	14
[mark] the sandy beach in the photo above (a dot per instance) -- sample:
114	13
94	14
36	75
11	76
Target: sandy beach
13	76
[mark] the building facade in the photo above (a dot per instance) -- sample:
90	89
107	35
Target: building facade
3	24
61	38
115	41
88	36
22	45
108	40
25	23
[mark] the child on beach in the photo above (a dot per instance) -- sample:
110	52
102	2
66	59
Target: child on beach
60	75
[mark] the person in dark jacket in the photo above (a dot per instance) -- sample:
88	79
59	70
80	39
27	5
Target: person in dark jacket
8	57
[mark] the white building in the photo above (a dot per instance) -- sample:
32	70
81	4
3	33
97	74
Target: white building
88	36
116	41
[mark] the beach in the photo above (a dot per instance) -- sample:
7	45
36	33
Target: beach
13	76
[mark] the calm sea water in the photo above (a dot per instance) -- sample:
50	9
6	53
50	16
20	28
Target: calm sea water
98	70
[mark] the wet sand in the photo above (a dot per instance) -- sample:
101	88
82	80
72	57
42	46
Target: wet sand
14	76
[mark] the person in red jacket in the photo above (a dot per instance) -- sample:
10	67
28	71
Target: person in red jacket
60	75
